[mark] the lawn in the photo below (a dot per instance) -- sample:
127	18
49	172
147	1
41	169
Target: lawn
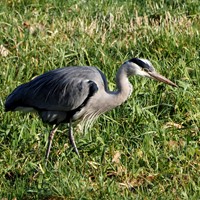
147	148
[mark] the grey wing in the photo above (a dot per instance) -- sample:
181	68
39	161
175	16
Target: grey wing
63	89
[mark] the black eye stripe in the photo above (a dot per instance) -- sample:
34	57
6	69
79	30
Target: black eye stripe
140	63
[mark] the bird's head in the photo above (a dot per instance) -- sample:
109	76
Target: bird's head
143	67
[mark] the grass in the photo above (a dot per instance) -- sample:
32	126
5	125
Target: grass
148	148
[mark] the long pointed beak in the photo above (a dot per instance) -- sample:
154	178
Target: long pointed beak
161	78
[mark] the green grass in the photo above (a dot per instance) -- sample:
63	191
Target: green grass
148	148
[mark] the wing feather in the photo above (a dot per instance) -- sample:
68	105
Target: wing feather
63	89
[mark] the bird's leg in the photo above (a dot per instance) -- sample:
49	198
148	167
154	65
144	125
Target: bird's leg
71	138
50	139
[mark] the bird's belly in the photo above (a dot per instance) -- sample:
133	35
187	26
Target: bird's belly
54	117
78	116
25	109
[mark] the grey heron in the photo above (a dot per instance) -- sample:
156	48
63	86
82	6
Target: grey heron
70	94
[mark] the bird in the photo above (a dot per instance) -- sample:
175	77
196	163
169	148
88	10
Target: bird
77	94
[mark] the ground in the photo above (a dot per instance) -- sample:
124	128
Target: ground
148	148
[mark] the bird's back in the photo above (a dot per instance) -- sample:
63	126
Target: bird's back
61	90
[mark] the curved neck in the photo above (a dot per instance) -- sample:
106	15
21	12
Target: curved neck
112	99
124	87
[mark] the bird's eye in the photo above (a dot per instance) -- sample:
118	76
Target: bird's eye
146	69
